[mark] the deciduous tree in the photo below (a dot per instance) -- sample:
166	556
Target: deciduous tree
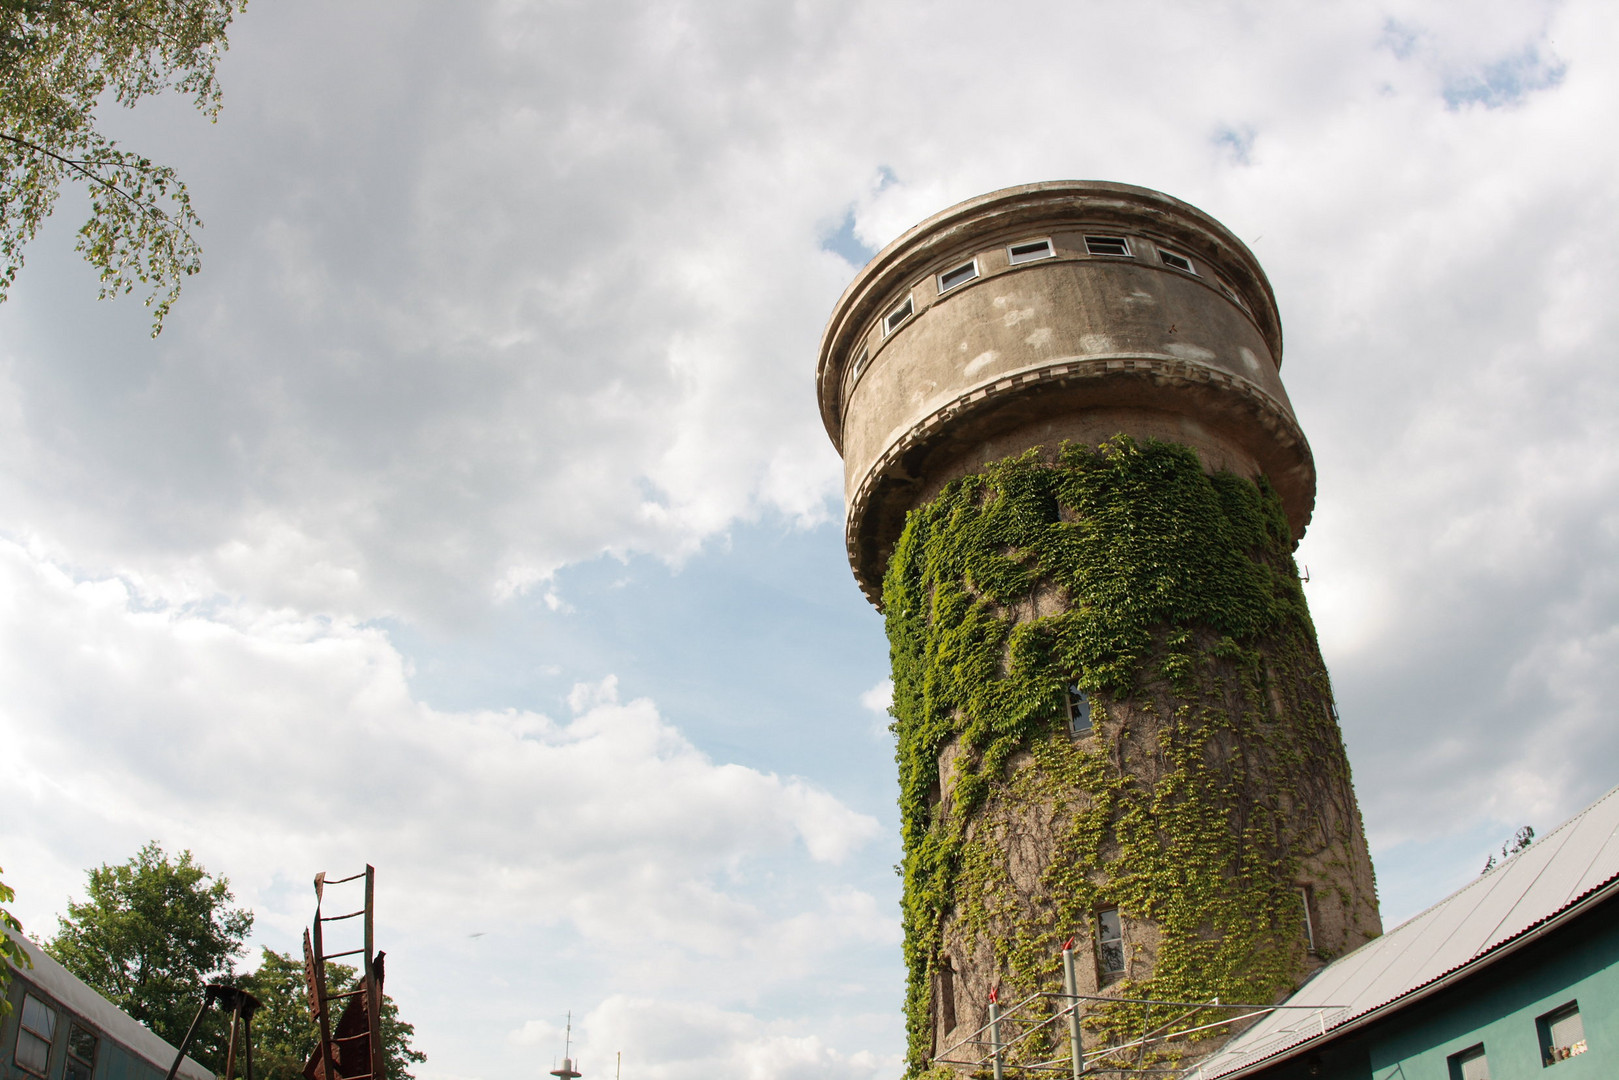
153	932
9	949
60	60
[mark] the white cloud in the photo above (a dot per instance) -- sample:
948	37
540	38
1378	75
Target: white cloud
493	290
273	743
878	700
674	1039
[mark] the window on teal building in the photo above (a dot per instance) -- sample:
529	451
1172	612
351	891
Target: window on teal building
1470	1064
1562	1034
35	1035
81	1054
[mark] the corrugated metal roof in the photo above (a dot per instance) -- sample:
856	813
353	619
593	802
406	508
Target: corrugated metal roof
72	994
1556	871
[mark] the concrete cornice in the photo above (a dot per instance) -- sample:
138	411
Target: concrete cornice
1055	204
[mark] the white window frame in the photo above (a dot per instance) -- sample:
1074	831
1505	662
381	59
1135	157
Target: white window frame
1109	973
1078	704
1127	253
900	314
970	264
1164	255
1015	259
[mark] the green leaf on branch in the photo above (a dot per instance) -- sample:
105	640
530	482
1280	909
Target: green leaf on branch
60	59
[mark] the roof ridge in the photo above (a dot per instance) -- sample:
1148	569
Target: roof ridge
1498	868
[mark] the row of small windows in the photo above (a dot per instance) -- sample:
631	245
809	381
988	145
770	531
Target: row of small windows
36	1032
1561	1033
1033	250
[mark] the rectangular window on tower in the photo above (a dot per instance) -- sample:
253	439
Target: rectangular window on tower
1078	704
1562	1034
893	320
1109	945
947	995
1107	245
958	275
1179	262
1029	251
1309	917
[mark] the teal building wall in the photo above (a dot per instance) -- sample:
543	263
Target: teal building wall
1496	1005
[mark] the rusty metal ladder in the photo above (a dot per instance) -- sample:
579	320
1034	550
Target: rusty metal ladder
320	999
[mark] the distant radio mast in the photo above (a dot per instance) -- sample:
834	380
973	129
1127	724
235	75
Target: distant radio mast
567	1072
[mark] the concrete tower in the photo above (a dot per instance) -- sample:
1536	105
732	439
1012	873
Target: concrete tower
1074	486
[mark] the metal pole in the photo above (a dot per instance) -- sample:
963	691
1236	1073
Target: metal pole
373	1003
191	1032
995	1035
1070	985
328	1067
230	1047
247	1041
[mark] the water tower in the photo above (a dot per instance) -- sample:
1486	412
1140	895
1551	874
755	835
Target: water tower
1074	486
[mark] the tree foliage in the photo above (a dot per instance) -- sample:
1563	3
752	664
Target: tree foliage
9	949
1520	841
60	59
152	934
284	1036
1169	595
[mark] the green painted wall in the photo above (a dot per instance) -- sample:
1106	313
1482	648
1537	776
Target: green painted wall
1496	1006
1499	1008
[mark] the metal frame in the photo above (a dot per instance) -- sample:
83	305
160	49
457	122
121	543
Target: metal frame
1072	1002
1164	255
971	264
890	323
1129	251
1014	259
320	998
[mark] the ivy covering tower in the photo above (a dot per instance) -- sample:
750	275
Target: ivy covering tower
1074	486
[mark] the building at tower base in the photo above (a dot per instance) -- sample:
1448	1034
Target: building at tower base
1074	485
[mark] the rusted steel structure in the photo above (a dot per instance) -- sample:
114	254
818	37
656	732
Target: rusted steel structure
352	1049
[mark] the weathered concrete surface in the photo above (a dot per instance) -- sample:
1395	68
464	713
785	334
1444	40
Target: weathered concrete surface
1078	347
1072	347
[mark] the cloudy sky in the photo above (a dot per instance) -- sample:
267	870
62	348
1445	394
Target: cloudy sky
473	515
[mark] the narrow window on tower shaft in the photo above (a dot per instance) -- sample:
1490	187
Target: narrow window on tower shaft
1078	704
1309	918
1109	944
947	996
894	318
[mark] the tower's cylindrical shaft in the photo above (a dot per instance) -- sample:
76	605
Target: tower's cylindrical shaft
1075	483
